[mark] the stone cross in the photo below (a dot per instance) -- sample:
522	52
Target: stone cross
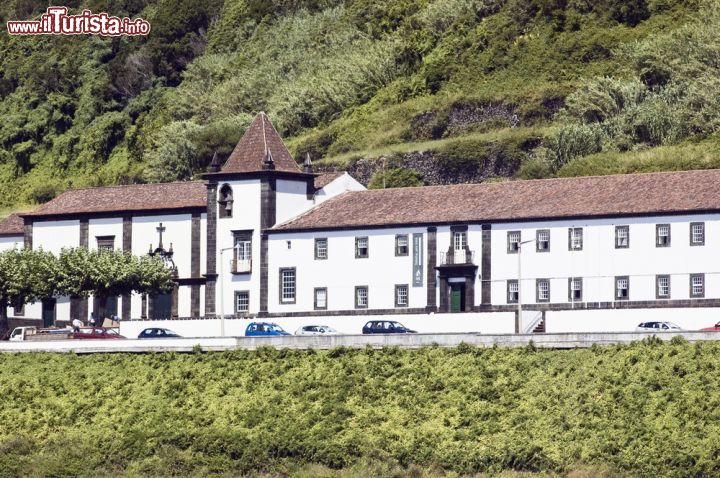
160	231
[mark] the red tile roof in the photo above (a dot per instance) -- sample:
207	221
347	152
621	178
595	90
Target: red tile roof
13	225
631	194
326	178
251	150
136	197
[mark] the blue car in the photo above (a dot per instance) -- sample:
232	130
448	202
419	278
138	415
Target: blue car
255	329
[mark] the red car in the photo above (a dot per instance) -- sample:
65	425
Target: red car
715	327
97	333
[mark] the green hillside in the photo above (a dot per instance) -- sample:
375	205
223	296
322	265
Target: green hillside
647	409
440	90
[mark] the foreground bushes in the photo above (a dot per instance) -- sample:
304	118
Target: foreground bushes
641	409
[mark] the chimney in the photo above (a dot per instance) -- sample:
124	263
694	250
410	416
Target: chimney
307	165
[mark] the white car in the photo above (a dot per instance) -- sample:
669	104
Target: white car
657	327
316	330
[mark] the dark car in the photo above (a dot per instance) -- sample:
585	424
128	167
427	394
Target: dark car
97	333
386	327
157	333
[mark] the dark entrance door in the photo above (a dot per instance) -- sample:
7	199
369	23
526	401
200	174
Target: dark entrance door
48	312
104	309
161	306
457	297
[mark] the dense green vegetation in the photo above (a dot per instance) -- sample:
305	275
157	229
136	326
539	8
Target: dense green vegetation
357	78
640	410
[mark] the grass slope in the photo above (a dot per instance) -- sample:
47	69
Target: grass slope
644	409
346	78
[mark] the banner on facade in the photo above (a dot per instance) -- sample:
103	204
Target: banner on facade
417	260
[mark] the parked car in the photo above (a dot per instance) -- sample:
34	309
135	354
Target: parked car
657	326
97	333
157	333
386	327
715	327
264	328
316	330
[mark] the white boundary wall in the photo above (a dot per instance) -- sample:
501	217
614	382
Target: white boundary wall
485	323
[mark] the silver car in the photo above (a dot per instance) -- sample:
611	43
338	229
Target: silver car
316	330
657	327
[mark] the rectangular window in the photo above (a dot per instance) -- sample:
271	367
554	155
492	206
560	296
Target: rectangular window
105	243
401	295
242	258
320	298
401	245
19	311
543	290
622	237
513	292
513	242
697	285
460	240
321	248
622	288
242	301
287	285
362	249
575	239
697	233
575	289
361	297
662	234
662	287
543	240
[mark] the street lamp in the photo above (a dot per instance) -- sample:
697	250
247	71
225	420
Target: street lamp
518	319
222	294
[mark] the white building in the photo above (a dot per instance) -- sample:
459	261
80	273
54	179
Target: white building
261	237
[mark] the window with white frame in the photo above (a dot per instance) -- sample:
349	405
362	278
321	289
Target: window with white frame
362	249
697	233
460	240
575	239
513	291
543	240
401	245
287	285
622	237
401	295
663	235
513	242
697	285
321	248
663	286
576	289
242	301
242	260
622	288
320	298
361	297
543	290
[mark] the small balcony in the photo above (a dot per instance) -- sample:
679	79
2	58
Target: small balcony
240	266
458	257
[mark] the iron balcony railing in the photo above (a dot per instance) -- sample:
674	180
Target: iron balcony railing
462	256
241	266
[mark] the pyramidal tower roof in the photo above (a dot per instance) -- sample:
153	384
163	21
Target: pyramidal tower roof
260	148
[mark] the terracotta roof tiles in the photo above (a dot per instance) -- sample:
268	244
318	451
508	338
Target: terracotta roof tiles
135	197
631	194
13	225
252	149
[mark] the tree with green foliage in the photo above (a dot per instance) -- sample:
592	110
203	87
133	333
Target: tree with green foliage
26	276
104	274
